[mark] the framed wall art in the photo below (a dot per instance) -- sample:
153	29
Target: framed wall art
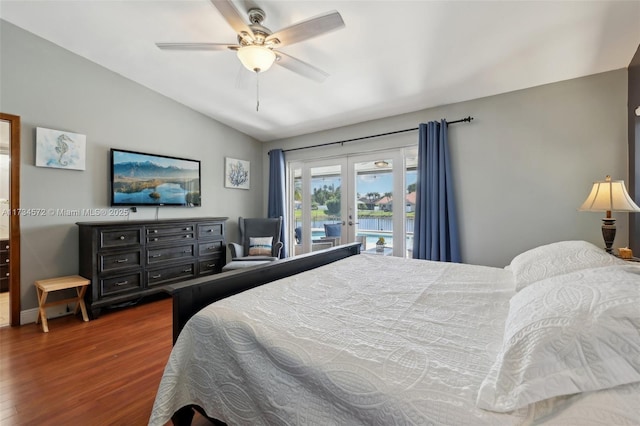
237	173
61	150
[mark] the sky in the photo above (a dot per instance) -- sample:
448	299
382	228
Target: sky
125	157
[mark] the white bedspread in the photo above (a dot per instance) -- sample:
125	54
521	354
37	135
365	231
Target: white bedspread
369	340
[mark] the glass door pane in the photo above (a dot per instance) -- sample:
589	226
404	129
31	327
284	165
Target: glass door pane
326	206
295	210
411	179
317	205
374	204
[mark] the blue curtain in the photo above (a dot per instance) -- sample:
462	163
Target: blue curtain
435	235
277	194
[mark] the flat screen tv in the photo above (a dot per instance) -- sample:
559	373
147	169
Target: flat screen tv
140	179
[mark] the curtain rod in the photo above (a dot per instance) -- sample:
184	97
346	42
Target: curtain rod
462	120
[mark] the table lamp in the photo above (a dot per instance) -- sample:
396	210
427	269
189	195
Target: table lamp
609	196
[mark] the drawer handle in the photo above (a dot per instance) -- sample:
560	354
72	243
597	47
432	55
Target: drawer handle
209	230
211	248
156	276
6	247
155	231
7	260
186	270
122	237
154	239
211	265
186	251
156	255
122	283
121	260
187	229
187	236
6	275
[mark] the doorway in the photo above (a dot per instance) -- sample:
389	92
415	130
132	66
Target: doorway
9	219
367	198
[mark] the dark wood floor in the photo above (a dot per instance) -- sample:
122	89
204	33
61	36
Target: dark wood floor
102	372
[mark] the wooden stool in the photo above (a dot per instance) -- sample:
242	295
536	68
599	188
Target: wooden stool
44	287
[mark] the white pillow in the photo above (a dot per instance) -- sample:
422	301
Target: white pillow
558	258
570	333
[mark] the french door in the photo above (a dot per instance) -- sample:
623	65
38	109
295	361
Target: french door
364	198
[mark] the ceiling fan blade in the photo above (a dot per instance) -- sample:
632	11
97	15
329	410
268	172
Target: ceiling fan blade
309	28
196	46
233	17
300	67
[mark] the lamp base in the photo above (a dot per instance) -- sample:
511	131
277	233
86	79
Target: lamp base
608	233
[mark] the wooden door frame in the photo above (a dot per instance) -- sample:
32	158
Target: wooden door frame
14	218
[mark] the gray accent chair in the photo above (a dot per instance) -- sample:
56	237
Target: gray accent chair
255	227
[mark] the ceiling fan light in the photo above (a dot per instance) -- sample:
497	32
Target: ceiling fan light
256	58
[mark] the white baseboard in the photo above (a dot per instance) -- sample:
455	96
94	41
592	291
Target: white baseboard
30	315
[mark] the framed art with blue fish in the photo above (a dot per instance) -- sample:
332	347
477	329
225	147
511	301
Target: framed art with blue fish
61	150
237	173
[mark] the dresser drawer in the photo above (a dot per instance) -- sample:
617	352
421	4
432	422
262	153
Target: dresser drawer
120	238
173	229
113	262
161	255
4	258
166	238
162	234
121	284
210	230
4	277
4	245
161	276
4	270
210	266
206	249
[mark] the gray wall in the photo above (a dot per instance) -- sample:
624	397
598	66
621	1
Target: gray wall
50	87
634	148
522	167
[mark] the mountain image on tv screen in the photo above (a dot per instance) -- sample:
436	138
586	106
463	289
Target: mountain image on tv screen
145	179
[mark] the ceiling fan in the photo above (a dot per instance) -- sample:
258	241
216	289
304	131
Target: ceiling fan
257	45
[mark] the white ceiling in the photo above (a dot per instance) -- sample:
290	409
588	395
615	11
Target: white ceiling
391	58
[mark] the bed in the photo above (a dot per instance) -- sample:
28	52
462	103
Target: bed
356	339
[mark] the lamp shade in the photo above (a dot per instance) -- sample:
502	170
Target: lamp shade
256	58
609	196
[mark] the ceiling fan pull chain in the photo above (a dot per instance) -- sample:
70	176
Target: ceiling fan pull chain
257	91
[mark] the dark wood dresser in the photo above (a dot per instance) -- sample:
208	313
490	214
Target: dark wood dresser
131	259
4	266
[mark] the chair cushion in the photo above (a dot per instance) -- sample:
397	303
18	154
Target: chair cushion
260	246
240	264
248	259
